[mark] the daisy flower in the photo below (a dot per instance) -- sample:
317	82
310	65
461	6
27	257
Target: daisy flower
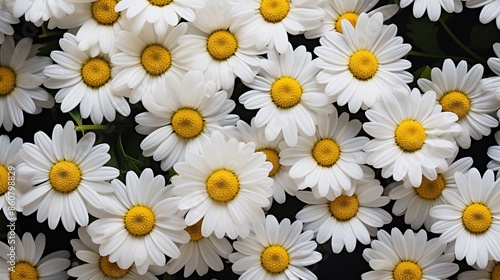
28	262
6	19
330	159
490	272
69	176
287	95
146	60
493	83
85	80
338	10
346	218
409	256
141	217
275	251
226	184
20	80
415	203
460	91
494	154
433	7
471	217
359	65
38	11
489	12
200	253
181	117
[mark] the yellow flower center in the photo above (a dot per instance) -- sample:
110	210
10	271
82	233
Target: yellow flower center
275	259
195	231
4	180
326	152
495	272
222	185
363	65
156	59
456	102
410	136
24	271
96	72
431	189
344	207
160	3
65	176
221	44
407	270
351	17
110	269
476	218
140	220
187	123
273	157
103	11
286	92
7	80
274	11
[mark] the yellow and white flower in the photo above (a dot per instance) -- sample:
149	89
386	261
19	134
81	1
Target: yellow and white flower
38	11
490	272
493	83
6	20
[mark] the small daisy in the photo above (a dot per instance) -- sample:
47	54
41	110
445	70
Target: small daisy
471	217
287	95
28	260
460	91
494	154
38	11
330	160
69	176
359	65
409	256
181	117
489	12
140	217
226	184
433	7
20	80
411	136
275	251
490	272
84	80
6	20
493	83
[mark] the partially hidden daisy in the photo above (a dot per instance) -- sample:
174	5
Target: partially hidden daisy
493	83
359	65
490	10
39	11
6	20
433	7
275	251
69	176
494	153
490	272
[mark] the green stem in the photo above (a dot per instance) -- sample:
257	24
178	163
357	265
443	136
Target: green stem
460	44
91	127
422	54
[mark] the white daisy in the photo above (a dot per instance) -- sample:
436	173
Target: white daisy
460	91
69	176
38	11
471	217
6	19
338	10
494	154
415	202
226	184
330	159
140	217
28	260
493	83
359	65
84	80
490	272
275	251
489	12
287	95
433	7
20	80
409	256
181	117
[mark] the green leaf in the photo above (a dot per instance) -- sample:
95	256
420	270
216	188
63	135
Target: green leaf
423	34
426	73
168	277
483	36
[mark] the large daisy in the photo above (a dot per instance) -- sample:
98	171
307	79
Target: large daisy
287	95
490	272
359	65
39	11
490	10
69	176
6	20
433	7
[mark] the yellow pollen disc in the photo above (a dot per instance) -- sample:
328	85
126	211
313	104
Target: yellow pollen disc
431	189
476	218
456	102
195	231
286	92
24	271
410	136
111	269
160	3
65	176
103	11
344	207
273	157
407	270
187	123
275	259
363	65
221	45
326	152
96	72
351	17
7	80
222	185
139	220
274	11
4	180
495	272
156	59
